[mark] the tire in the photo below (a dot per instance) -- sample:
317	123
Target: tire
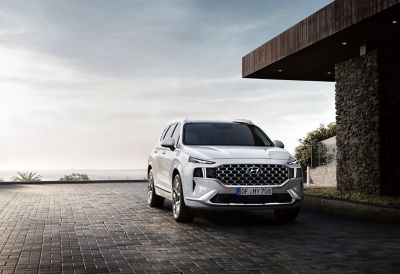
181	212
287	215
152	198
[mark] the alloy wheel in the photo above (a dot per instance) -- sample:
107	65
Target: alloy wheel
176	197
150	188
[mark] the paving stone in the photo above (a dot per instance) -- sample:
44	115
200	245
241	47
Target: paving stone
108	228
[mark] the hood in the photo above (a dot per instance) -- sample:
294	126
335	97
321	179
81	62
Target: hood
237	152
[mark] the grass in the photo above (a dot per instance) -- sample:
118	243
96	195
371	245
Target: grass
332	192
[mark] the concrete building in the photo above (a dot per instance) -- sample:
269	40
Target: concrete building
357	44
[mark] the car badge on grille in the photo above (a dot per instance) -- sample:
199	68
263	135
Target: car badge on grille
253	170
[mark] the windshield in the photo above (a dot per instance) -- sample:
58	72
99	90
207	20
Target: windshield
224	134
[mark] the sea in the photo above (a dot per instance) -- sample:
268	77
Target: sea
94	174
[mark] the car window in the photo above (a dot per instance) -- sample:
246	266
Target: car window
169	131
163	133
224	134
176	133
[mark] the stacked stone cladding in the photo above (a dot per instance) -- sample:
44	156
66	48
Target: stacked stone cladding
368	122
357	118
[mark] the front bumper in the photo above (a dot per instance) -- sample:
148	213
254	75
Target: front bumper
207	193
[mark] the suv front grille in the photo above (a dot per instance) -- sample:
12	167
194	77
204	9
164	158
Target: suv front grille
252	174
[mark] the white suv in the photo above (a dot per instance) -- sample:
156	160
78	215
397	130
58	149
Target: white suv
222	164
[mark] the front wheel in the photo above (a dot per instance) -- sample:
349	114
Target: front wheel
152	198
287	215
181	212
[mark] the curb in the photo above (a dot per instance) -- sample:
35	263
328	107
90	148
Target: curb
73	182
349	208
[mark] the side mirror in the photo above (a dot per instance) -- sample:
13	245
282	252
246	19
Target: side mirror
169	143
278	143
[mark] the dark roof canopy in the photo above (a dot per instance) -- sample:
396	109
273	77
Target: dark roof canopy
310	49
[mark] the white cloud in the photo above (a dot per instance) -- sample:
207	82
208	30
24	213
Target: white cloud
80	91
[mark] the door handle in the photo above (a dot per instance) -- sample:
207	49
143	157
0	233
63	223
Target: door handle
163	152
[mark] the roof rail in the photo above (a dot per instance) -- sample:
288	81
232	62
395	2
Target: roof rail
244	121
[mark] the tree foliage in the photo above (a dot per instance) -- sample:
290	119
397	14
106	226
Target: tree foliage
27	177
75	177
303	150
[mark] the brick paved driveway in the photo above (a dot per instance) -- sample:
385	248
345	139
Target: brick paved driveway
109	228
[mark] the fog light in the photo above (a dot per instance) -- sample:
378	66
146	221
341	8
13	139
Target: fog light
211	172
198	172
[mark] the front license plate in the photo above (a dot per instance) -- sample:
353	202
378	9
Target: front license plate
243	191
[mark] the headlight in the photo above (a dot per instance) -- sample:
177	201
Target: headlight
199	161
292	160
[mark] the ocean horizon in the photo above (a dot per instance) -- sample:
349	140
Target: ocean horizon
94	174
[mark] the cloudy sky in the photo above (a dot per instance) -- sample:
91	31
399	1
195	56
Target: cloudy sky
91	84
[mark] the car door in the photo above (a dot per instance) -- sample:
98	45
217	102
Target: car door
157	152
168	157
164	159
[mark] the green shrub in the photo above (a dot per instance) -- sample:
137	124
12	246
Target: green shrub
27	177
303	150
75	177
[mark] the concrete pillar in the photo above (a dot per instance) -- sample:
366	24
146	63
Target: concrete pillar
368	122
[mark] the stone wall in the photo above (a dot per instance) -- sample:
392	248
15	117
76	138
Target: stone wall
368	123
323	175
357	118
